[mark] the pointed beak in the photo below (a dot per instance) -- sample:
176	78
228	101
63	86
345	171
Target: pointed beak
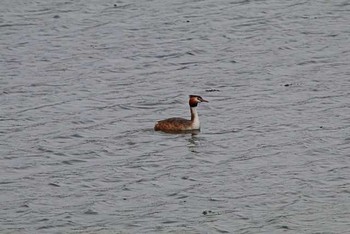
203	100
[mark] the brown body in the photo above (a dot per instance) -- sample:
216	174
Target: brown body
173	125
181	124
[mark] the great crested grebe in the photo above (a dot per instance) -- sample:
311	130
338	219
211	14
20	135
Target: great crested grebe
180	124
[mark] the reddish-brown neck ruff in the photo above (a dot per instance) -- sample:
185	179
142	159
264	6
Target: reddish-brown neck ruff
195	99
193	102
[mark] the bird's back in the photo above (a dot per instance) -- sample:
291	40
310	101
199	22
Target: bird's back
173	125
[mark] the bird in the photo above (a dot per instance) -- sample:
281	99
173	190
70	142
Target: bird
174	125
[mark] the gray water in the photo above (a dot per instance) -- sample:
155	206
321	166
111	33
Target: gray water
83	82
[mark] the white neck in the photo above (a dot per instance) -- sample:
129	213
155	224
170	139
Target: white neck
195	118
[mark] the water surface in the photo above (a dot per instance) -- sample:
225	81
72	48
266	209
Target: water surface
83	82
